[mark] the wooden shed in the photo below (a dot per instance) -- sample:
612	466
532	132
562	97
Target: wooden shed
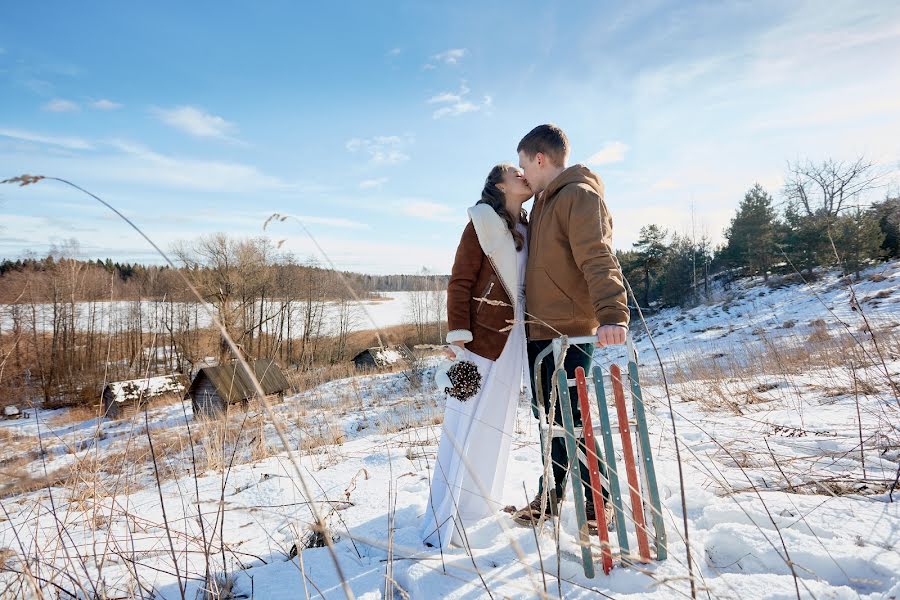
125	398
214	388
380	357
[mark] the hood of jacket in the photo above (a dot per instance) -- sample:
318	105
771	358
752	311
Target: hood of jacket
574	174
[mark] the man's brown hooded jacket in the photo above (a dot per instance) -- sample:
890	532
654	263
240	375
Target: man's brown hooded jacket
572	283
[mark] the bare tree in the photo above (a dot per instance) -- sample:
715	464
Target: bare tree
825	189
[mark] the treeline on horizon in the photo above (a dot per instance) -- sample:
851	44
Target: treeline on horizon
30	278
820	222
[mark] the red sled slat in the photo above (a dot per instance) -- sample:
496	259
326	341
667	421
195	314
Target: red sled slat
637	508
590	450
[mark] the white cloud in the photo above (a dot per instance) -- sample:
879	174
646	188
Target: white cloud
394	52
451	56
131	163
611	152
72	143
141	164
372	184
384	149
258	219
457	103
333	222
664	184
60	105
196	121
427	210
104	104
38	86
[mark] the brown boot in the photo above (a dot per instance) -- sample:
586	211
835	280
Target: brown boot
531	513
592	517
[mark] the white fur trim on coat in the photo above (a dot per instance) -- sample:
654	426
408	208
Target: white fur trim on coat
459	335
497	243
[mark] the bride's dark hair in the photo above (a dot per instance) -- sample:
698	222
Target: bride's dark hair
493	197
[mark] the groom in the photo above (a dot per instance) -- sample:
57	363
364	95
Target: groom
573	284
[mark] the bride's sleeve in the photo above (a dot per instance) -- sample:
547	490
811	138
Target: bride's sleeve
459	290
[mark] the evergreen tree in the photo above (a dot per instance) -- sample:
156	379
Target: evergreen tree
857	239
752	233
650	248
631	268
888	214
806	238
676	279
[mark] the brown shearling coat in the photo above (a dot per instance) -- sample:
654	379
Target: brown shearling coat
484	327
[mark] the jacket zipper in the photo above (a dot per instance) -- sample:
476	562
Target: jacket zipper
537	219
484	294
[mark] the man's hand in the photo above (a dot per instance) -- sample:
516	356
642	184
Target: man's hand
449	353
609	335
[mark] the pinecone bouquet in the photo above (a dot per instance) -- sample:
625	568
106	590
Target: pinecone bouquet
458	378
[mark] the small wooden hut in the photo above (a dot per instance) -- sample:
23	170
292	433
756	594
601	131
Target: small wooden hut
125	398
214	388
380	357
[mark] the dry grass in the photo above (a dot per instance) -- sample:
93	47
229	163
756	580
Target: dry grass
221	587
322	433
20	481
6	554
74	414
785	355
731	381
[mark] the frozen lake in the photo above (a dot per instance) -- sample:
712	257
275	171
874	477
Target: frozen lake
105	316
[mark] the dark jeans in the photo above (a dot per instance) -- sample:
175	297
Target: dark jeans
579	355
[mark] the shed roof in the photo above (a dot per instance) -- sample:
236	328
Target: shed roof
385	356
147	387
233	383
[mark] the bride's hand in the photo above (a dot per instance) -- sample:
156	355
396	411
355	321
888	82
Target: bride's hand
448	351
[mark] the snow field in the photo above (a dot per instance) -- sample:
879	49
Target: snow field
769	435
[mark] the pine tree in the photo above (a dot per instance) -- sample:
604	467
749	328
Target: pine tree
752	233
676	274
888	214
631	268
806	239
857	239
651	249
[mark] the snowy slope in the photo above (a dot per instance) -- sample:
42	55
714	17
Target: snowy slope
769	420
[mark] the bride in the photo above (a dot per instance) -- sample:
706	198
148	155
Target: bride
467	482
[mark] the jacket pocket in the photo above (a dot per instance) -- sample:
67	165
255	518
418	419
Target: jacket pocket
546	299
487	290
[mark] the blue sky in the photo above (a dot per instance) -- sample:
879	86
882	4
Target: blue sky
377	122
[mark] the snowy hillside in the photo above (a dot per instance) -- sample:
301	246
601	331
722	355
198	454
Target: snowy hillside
787	422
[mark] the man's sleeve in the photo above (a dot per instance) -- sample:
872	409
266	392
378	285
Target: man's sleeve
466	266
590	238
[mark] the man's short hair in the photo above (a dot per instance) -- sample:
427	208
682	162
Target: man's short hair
549	140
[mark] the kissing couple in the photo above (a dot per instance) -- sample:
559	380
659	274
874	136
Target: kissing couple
557	272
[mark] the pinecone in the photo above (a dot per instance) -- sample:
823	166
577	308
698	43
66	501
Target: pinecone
465	378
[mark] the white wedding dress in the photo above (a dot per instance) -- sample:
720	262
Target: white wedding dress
468	474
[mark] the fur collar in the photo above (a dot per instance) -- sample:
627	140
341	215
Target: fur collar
497	243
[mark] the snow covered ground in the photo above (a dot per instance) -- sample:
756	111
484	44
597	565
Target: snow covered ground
770	398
